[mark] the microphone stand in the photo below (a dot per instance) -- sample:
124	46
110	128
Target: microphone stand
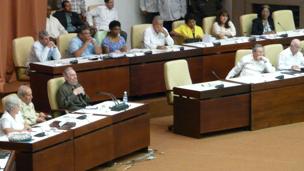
117	106
285	34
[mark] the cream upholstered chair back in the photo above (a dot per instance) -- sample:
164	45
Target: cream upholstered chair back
176	73
137	35
208	23
240	54
52	87
283	20
177	40
21	51
63	42
272	53
5	97
177	23
246	23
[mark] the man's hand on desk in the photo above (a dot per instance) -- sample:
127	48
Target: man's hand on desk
161	47
296	68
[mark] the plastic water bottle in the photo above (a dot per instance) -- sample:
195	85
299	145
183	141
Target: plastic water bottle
125	97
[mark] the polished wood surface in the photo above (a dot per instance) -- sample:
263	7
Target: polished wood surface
277	103
200	112
87	146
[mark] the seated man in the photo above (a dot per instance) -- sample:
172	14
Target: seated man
44	49
53	26
189	31
70	20
291	58
156	36
83	44
27	108
252	64
71	95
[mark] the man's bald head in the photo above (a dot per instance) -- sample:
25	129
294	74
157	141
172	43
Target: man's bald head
157	24
295	46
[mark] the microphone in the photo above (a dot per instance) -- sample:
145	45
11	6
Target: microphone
117	106
215	75
219	86
285	34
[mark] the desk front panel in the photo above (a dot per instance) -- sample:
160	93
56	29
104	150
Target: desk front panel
277	106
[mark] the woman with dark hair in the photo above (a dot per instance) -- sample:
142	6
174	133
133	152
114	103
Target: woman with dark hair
189	31
264	23
223	27
114	42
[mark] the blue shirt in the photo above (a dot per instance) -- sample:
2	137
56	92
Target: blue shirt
113	46
76	43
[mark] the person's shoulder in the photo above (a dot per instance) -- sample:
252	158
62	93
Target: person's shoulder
5	116
37	44
257	20
198	27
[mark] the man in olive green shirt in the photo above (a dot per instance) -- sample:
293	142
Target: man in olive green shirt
71	95
27	108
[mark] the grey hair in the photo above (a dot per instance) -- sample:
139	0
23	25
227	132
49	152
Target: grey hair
65	72
158	19
43	34
10	103
256	46
22	90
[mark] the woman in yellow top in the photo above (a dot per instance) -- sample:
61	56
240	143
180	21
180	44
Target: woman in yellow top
189	31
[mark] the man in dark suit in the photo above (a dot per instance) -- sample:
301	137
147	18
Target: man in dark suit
70	20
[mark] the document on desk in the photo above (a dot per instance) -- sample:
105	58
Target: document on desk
262	78
3	162
209	85
104	108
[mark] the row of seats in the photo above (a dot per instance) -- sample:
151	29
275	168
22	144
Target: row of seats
22	45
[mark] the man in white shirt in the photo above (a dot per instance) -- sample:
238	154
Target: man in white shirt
149	8
156	36
291	58
53	26
44	49
252	64
172	10
101	16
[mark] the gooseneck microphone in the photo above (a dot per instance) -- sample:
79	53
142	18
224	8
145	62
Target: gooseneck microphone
219	86
283	28
117	106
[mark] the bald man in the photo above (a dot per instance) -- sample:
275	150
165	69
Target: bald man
27	108
156	36
291	58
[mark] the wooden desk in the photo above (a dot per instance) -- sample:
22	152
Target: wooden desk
87	145
142	75
198	111
275	102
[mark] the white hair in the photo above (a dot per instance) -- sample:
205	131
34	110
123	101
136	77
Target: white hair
10	103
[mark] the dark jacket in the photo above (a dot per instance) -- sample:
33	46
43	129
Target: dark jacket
67	100
257	26
76	21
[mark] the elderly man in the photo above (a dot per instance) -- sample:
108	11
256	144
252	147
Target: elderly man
291	58
44	49
70	20
156	36
83	44
27	108
71	94
11	120
252	64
